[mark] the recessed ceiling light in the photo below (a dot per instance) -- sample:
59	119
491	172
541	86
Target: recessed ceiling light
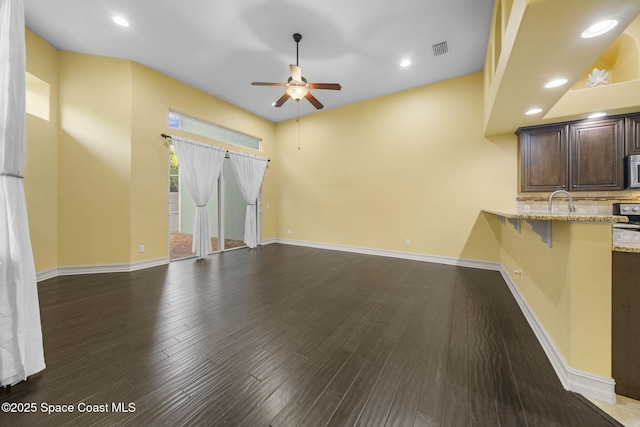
533	111
121	21
596	115
405	63
555	83
599	28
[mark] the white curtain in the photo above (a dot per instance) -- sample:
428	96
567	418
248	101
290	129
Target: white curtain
249	171
21	351
200	166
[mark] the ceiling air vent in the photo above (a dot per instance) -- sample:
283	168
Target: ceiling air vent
440	48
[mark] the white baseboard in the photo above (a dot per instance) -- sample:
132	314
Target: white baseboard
268	241
46	274
589	385
100	268
148	263
460	262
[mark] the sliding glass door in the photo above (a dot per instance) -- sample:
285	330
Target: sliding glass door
234	208
226	214
226	206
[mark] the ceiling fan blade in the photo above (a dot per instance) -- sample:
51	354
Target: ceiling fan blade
314	101
296	72
332	86
267	84
282	100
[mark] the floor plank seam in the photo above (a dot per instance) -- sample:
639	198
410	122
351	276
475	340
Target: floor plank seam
513	377
375	384
346	393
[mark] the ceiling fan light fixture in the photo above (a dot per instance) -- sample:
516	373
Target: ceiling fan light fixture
297	86
297	92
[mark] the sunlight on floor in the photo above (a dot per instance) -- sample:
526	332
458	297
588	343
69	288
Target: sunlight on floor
180	245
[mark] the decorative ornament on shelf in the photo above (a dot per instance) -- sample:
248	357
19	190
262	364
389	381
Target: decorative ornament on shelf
598	78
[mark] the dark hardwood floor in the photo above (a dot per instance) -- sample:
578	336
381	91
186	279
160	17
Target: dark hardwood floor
286	336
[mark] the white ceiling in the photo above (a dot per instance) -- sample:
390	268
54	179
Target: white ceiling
220	47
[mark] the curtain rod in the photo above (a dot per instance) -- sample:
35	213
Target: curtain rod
165	136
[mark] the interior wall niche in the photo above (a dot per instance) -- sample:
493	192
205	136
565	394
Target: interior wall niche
621	60
38	93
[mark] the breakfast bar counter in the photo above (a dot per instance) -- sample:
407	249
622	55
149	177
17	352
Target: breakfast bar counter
623	240
541	222
545	216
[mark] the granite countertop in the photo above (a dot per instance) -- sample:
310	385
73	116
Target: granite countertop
545	216
626	247
626	240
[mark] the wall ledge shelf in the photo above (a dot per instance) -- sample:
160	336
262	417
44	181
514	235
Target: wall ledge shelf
541	222
567	217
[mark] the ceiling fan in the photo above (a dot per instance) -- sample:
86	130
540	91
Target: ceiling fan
297	86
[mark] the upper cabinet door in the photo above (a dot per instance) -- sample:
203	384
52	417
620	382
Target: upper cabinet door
596	155
543	158
632	125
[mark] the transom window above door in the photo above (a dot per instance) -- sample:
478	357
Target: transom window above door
219	133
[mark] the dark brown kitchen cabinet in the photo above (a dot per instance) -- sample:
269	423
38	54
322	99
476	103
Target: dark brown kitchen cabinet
632	127
544	158
625	323
576	156
596	155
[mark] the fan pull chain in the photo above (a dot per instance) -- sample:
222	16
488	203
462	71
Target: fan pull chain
298	121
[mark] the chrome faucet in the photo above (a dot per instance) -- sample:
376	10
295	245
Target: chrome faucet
572	208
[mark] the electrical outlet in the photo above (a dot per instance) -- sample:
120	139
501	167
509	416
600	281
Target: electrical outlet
141	249
407	242
289	231
268	205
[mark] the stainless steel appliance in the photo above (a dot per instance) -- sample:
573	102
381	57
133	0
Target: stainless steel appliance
630	210
632	171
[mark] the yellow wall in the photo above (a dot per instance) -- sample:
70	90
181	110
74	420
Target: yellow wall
568	286
94	160
371	174
41	167
97	182
411	165
153	96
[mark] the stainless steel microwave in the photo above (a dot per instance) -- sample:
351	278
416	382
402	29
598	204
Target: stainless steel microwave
632	171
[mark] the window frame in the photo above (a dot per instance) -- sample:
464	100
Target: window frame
217	132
